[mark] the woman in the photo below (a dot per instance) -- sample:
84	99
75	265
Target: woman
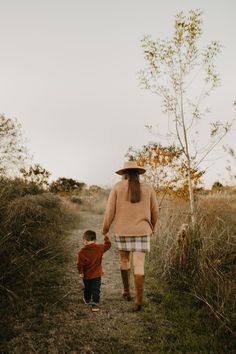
133	208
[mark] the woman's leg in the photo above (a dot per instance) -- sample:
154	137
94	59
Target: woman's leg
139	277
139	261
125	273
124	260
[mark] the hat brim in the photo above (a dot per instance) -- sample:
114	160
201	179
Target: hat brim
140	170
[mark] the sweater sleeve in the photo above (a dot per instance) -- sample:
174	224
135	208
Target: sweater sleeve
80	262
154	210
110	212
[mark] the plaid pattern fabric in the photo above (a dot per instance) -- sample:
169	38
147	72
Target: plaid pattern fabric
133	243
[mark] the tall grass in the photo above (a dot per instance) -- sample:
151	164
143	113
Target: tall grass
32	234
201	261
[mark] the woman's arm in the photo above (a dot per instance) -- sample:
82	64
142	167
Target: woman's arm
110	212
154	210
107	244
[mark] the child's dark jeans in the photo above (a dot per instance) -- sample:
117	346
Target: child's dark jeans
92	290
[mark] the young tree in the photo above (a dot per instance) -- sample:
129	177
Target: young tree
36	174
172	66
12	150
231	164
165	170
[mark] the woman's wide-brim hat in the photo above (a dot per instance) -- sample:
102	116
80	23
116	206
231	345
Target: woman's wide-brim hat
131	165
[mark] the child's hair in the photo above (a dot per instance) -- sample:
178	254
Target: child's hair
89	235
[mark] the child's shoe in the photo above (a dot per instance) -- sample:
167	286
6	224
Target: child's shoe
95	308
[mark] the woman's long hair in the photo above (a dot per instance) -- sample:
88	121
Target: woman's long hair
134	185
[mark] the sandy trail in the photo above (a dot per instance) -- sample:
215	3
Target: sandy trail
115	328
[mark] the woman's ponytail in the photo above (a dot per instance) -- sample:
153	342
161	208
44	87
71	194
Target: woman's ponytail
134	186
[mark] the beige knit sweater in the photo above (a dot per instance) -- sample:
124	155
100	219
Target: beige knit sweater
131	219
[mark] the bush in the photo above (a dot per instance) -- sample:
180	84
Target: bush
77	200
32	233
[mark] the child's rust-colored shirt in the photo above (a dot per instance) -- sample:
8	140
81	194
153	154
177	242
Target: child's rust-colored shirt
89	260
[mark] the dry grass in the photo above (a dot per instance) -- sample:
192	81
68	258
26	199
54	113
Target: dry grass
201	261
32	235
95	203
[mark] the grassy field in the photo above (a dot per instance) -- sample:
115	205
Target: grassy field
173	320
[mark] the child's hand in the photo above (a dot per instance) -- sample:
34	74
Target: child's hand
81	275
106	237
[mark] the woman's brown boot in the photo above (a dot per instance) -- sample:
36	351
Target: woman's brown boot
139	287
125	275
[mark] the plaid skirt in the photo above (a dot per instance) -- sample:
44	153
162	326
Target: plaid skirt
133	243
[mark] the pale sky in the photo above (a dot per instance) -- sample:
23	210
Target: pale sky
68	73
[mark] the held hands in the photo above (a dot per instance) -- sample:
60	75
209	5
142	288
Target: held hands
106	237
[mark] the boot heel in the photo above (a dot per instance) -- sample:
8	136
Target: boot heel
137	308
139	288
127	297
125	275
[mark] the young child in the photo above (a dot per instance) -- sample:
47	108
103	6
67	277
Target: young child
89	264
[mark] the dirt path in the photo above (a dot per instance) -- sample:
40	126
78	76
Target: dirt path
114	329
70	327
